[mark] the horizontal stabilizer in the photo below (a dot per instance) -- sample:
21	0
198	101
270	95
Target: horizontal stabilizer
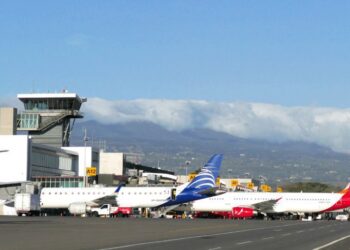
212	191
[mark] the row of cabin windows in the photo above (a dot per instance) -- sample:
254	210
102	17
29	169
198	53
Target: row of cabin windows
145	193
73	193
307	199
289	199
216	199
93	193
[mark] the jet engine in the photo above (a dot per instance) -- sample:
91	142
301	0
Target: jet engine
242	212
78	208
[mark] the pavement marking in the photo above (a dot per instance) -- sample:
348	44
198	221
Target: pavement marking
215	248
300	231
331	243
195	237
286	234
244	242
277	230
268	238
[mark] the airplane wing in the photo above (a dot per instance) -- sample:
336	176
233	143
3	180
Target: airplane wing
265	206
9	203
109	199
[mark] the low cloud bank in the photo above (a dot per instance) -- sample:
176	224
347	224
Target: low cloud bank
11	102
325	126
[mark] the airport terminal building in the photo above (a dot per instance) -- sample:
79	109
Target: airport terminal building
35	146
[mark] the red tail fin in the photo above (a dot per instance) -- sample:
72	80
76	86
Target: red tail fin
346	189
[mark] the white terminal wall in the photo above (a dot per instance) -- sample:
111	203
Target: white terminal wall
182	178
111	163
14	158
8	121
88	157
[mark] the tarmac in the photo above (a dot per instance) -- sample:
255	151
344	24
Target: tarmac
139	233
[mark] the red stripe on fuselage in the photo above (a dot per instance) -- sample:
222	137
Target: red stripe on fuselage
342	203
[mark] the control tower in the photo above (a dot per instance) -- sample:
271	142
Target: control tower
49	117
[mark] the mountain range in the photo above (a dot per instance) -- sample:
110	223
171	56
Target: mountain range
186	151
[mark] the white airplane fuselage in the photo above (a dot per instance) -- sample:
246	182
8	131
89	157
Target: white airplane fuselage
126	197
63	197
146	196
285	202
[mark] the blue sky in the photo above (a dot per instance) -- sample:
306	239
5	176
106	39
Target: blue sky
292	53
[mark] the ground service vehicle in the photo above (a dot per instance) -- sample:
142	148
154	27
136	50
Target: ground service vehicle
108	210
27	204
342	217
123	212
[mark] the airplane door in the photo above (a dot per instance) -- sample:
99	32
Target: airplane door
173	194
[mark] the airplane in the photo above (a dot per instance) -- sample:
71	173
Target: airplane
167	198
80	200
248	204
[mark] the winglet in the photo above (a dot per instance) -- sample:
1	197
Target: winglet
119	187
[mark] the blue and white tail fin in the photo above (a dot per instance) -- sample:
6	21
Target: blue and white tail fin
206	178
202	186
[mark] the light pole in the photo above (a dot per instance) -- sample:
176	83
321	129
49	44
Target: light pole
85	144
229	173
262	179
187	163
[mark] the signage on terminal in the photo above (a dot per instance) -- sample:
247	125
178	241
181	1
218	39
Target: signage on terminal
234	182
217	181
91	171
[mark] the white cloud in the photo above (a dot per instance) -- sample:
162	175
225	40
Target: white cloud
11	102
325	126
